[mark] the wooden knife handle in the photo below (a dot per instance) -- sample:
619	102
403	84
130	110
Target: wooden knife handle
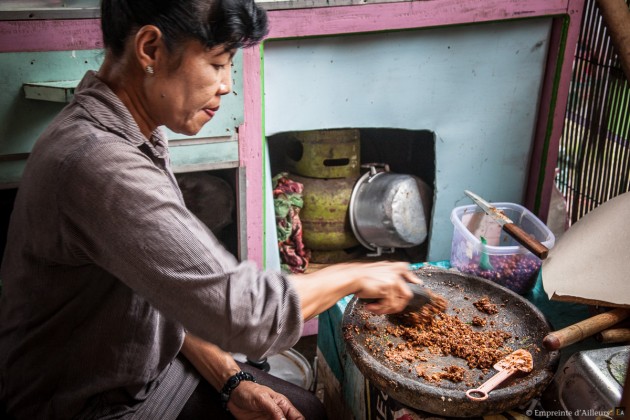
526	240
576	332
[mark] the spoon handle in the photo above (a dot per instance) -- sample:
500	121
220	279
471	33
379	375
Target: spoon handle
481	393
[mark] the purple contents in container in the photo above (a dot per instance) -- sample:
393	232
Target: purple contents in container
516	272
501	259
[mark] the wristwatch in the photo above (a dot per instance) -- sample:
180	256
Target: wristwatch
232	383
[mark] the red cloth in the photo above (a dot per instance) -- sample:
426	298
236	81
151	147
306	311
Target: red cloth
293	255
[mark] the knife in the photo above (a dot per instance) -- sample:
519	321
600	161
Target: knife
510	227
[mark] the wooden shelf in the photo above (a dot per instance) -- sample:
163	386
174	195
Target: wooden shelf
62	91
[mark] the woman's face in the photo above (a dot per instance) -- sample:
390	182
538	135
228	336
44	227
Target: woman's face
185	93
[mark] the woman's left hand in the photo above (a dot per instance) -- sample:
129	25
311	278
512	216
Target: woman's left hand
254	401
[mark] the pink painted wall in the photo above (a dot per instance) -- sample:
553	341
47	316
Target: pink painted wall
549	130
250	148
50	35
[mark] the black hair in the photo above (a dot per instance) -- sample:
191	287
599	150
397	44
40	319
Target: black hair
233	23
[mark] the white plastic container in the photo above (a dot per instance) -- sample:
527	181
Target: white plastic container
501	259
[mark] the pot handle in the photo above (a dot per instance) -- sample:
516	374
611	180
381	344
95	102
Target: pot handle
372	167
384	167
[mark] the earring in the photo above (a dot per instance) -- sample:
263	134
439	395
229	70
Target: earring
149	69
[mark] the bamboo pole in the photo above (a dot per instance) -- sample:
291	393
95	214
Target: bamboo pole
614	335
573	333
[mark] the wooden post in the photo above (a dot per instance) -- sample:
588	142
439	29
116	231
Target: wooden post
617	19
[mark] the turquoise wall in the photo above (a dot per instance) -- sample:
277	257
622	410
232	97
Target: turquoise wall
22	120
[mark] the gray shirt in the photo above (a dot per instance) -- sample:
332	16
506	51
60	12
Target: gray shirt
105	268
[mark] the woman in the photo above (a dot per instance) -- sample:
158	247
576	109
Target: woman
117	302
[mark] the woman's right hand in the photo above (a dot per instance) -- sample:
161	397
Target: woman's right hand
381	280
387	283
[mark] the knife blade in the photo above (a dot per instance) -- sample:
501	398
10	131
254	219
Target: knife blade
522	237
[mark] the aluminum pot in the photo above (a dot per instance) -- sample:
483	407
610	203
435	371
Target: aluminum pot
386	210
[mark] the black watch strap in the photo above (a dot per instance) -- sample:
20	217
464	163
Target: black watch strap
232	383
